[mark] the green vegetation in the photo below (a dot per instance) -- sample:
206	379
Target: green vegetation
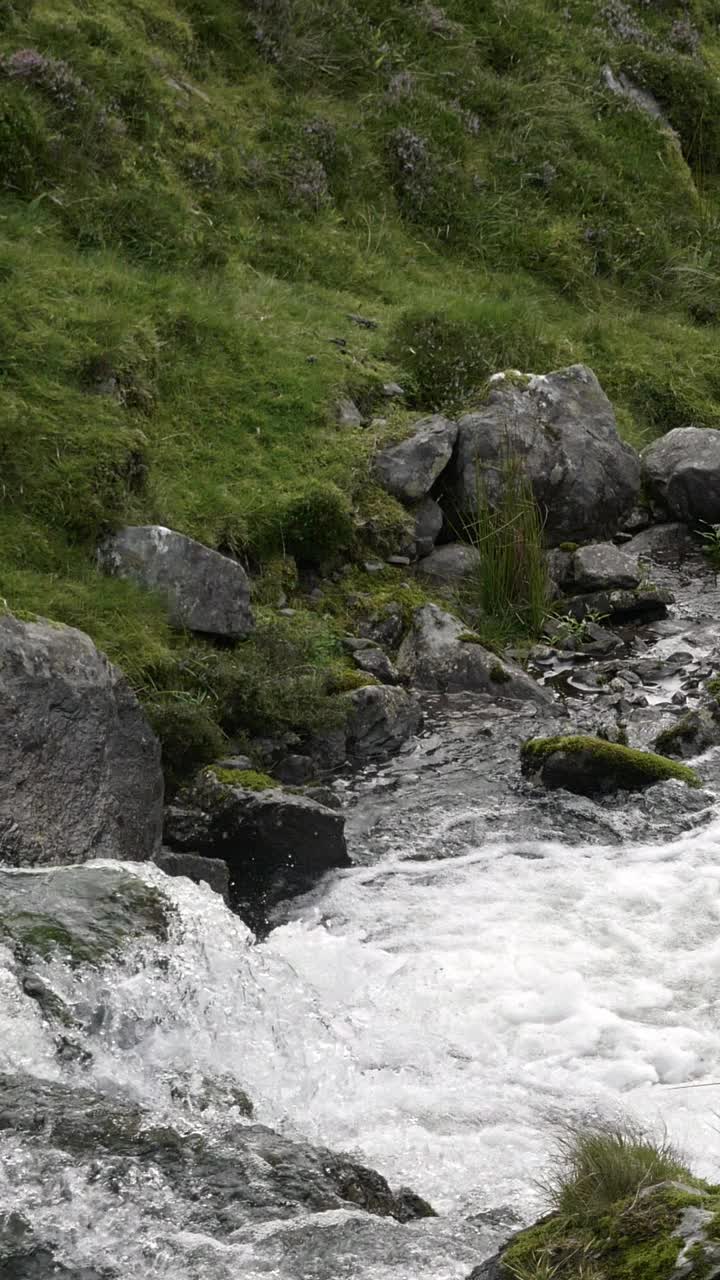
246	778
507	593
196	196
626	767
618	1202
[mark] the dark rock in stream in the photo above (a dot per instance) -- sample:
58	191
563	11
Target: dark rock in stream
645	603
247	1172
81	774
592	766
381	718
211	871
275	843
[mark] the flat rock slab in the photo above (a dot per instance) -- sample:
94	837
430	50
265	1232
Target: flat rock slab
601	566
206	592
409	470
440	654
81	775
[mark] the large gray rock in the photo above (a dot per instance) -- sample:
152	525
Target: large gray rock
409	470
275	843
206	592
682	471
662	542
428	523
448	566
562	428
381	719
81	774
601	566
439	654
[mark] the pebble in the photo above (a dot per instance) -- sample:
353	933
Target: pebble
399	561
373	566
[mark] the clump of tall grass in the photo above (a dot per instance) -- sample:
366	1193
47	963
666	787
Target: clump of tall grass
508	591
602	1166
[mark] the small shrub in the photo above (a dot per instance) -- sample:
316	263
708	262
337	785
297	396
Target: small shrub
249	779
315	524
189	737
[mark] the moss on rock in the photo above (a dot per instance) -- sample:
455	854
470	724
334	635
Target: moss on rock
248	779
590	765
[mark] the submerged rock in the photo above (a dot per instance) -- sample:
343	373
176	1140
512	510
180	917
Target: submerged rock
275	843
562	428
206	592
591	766
682	472
249	1172
81	775
408	470
439	653
381	719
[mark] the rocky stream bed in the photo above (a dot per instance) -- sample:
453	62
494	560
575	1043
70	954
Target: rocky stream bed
495	958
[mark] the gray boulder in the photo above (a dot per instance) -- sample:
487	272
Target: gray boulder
81	774
428	523
439	654
692	733
562	428
448	566
206	592
682	472
380	720
603	566
409	470
275	843
377	664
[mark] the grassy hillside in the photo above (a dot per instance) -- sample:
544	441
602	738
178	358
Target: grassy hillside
196	195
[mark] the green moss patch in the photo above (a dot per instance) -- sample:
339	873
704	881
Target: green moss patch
593	760
249	779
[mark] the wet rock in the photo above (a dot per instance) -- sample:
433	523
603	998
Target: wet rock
248	1173
448	566
662	542
380	720
295	770
682	472
591	766
428	524
275	844
562	427
206	592
377	664
325	796
691	734
211	871
408	470
81	774
438	653
602	566
644	603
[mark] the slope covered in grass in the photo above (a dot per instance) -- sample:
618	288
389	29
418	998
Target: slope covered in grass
196	195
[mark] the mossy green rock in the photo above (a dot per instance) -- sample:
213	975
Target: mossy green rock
591	766
665	1232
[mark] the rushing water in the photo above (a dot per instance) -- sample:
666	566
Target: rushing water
498	962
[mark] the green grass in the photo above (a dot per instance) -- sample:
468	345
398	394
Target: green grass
607	1223
195	195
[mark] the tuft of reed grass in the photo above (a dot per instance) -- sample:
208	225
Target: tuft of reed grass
508	591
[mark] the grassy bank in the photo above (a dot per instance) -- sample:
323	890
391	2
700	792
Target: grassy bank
196	195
